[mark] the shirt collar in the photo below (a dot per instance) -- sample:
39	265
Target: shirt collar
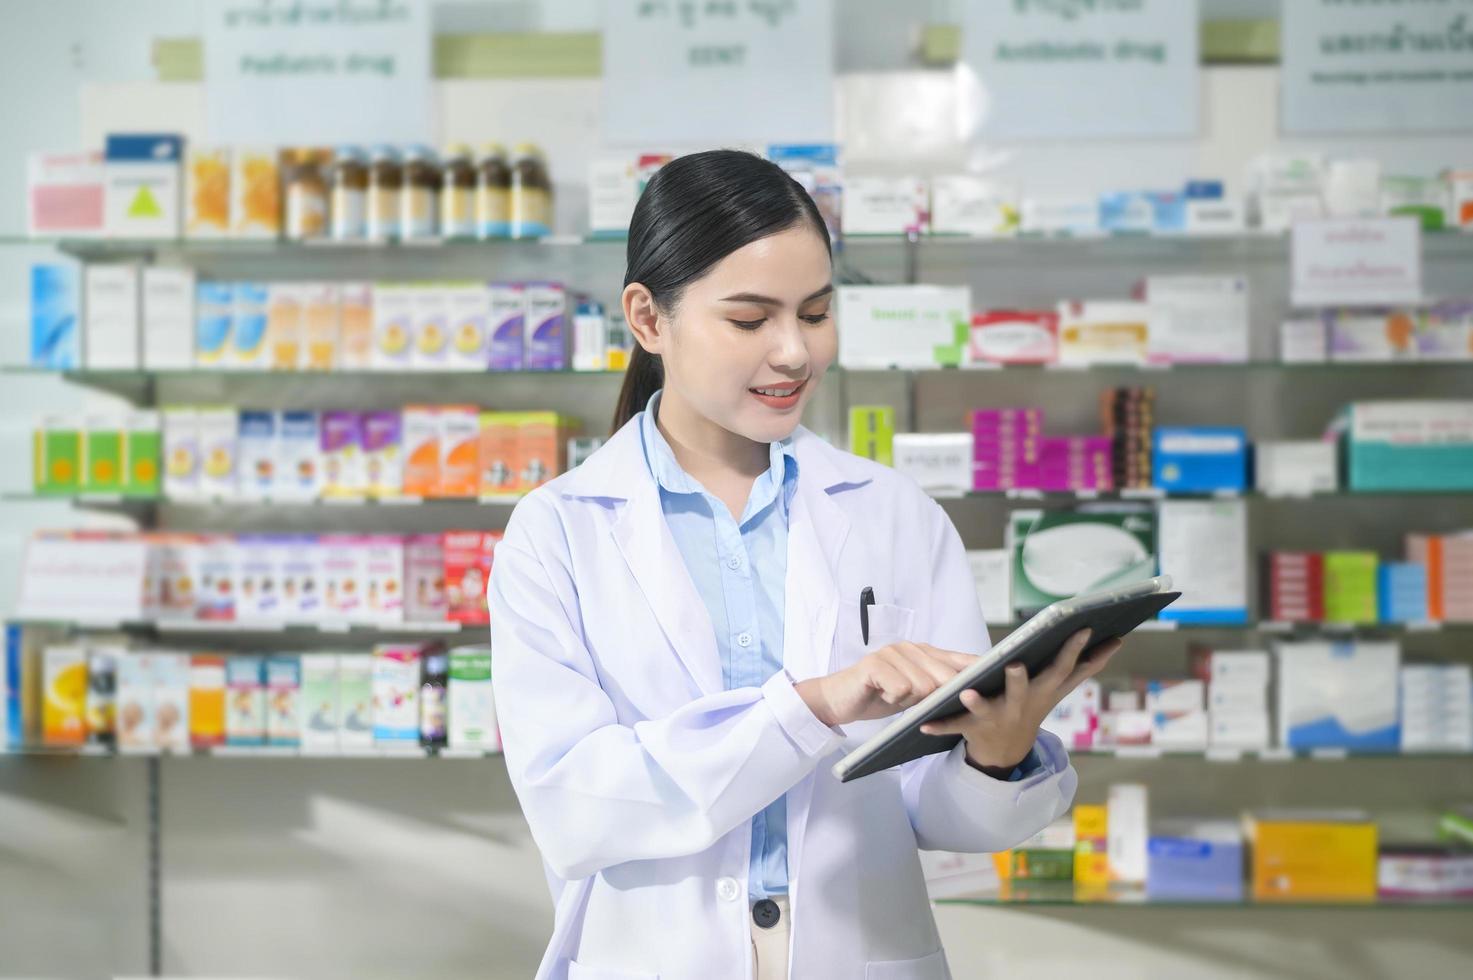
781	474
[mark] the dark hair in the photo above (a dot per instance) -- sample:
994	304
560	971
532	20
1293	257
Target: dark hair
695	211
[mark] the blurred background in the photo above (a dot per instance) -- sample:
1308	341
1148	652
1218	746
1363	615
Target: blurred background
297	299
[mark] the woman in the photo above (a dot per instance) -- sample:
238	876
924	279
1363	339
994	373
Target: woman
678	643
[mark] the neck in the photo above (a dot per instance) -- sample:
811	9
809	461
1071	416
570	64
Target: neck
704	449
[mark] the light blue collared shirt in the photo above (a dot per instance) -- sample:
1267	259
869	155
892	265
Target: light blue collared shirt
740	569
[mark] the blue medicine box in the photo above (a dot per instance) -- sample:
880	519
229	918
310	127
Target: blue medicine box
1194	868
1402	592
1200	459
56	322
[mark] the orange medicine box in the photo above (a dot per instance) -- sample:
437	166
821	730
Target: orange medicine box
421	438
321	305
1317	856
542	440
1091	857
284	325
206	700
460	450
355	326
500	454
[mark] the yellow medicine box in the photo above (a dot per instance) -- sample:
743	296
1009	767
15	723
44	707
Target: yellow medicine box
1312	859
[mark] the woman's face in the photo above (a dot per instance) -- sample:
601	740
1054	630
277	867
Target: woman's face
748	343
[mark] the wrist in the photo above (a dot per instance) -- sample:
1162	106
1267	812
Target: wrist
813	695
995	765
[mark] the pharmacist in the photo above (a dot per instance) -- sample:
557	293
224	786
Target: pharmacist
677	640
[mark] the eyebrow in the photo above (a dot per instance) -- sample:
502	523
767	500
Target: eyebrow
761	300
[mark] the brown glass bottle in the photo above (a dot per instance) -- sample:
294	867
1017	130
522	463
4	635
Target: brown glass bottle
306	194
349	201
531	194
493	193
458	194
385	181
419	201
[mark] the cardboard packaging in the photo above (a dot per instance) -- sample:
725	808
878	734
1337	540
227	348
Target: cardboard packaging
56	316
1311	857
141	185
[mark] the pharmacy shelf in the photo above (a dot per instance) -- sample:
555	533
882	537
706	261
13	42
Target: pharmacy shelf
250	752
106	501
194	627
1252	243
1280	626
1156	493
1148	753
1063	894
1069	370
511	500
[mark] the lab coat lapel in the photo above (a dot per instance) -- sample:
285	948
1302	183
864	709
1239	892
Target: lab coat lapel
645	541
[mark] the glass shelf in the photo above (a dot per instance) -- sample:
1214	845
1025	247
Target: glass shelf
247	752
510	500
1279	626
1063	894
196	627
1258	242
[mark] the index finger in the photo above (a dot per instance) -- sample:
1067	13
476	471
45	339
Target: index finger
959	661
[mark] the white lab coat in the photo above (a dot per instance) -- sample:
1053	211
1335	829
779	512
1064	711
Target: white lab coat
639	775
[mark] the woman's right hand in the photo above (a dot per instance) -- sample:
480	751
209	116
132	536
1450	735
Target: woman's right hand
884	682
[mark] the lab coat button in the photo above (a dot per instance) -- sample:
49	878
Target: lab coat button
744	640
728	889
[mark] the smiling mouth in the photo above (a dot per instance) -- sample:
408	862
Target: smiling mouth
780	391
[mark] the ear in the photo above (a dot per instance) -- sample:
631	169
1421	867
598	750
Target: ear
643	317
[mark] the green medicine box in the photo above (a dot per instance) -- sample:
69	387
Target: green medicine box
57	458
102	457
1350	586
142	452
872	432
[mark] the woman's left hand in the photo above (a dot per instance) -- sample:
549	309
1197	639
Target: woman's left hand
1000	731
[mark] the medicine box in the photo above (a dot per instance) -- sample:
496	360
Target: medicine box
1410	445
111	308
56	317
396	674
1200	459
1311	859
142	185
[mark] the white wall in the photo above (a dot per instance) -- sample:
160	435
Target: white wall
387	869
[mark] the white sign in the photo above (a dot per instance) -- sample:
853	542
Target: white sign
1357	262
718	72
1065	69
317	72
85	578
1376	65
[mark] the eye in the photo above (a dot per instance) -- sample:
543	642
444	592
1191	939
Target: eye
748	324
815	318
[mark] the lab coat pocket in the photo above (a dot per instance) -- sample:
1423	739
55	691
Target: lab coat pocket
577	971
887	624
931	967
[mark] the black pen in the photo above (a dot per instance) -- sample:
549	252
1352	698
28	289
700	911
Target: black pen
866	599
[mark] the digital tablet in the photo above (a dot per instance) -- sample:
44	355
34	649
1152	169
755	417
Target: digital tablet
1110	614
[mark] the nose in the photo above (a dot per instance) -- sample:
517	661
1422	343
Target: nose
789	352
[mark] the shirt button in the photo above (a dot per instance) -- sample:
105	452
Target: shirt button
728	889
734	562
744	639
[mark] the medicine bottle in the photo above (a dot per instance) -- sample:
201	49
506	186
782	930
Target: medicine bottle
306	194
458	194
349	203
493	193
385	179
531	194
419	202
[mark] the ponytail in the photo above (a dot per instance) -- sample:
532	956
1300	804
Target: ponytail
695	211
643	377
